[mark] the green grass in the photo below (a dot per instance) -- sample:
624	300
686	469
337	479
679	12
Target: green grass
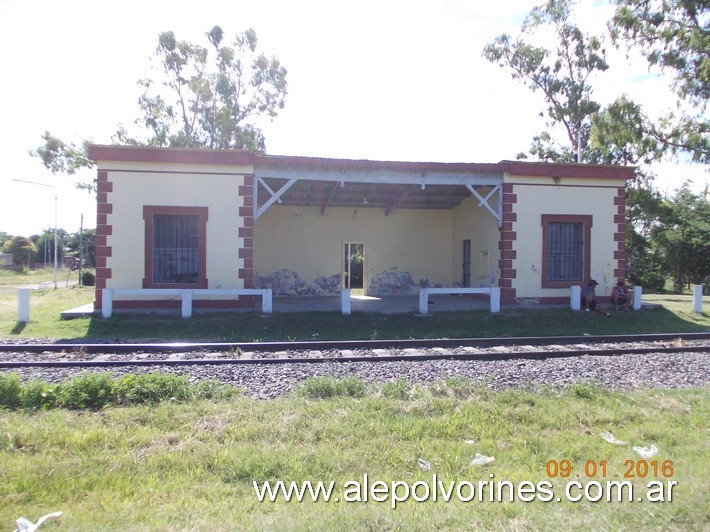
191	466
675	316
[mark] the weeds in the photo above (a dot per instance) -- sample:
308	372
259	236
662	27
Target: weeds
328	387
96	390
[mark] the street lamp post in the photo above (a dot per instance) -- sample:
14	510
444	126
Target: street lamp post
55	221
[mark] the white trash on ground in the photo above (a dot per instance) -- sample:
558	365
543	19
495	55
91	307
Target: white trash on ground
426	466
25	525
645	452
607	436
482	460
469	442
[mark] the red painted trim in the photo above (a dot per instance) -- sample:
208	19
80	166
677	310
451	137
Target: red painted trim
265	162
566	218
104	207
241	302
169	155
529	169
202	213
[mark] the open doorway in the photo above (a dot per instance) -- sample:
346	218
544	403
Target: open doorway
466	277
354	266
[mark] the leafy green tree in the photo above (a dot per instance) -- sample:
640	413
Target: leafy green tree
21	249
201	97
562	75
208	93
683	237
673	35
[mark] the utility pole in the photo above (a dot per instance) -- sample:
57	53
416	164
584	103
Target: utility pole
81	246
55	221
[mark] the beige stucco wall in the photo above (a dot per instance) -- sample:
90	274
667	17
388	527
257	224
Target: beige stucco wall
537	196
471	222
215	187
303	240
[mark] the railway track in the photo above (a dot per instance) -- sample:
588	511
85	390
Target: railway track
108	355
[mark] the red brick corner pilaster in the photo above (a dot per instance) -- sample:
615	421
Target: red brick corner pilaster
620	233
246	232
506	246
104	207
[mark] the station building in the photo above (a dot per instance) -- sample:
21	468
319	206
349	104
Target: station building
312	226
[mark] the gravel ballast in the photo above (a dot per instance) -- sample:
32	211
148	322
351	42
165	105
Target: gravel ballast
268	381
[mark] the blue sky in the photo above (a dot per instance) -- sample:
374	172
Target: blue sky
374	79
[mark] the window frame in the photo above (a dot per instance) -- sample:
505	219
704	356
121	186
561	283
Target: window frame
149	211
586	221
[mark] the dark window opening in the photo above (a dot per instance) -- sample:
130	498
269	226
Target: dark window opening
175	249
565	251
566	246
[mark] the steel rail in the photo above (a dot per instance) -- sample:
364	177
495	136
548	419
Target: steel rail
483	357
172	347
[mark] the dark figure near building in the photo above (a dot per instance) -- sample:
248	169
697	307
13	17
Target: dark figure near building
589	298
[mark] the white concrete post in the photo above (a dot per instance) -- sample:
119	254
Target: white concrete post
495	299
698	298
345	301
575	298
106	302
267	306
186	304
23	305
423	301
637	297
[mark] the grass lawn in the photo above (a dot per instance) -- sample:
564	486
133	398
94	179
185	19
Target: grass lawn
192	466
676	315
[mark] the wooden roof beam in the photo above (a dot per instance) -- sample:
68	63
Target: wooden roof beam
401	198
328	197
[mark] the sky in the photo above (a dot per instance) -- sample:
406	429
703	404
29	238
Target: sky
373	79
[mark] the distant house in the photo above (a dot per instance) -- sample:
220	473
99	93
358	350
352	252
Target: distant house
182	218
6	260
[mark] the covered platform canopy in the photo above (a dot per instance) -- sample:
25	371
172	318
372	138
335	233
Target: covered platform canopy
387	185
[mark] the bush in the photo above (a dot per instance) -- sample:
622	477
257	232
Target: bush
10	391
652	280
396	389
326	387
150	388
89	390
88	279
38	395
96	390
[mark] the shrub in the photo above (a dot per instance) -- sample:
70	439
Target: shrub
10	390
326	387
88	279
89	390
213	389
150	388
37	395
652	280
396	389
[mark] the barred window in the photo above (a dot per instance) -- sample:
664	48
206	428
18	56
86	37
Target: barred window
565	251
175	247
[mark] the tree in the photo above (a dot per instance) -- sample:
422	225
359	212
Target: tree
202	97
208	93
672	34
21	249
683	237
563	75
675	36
